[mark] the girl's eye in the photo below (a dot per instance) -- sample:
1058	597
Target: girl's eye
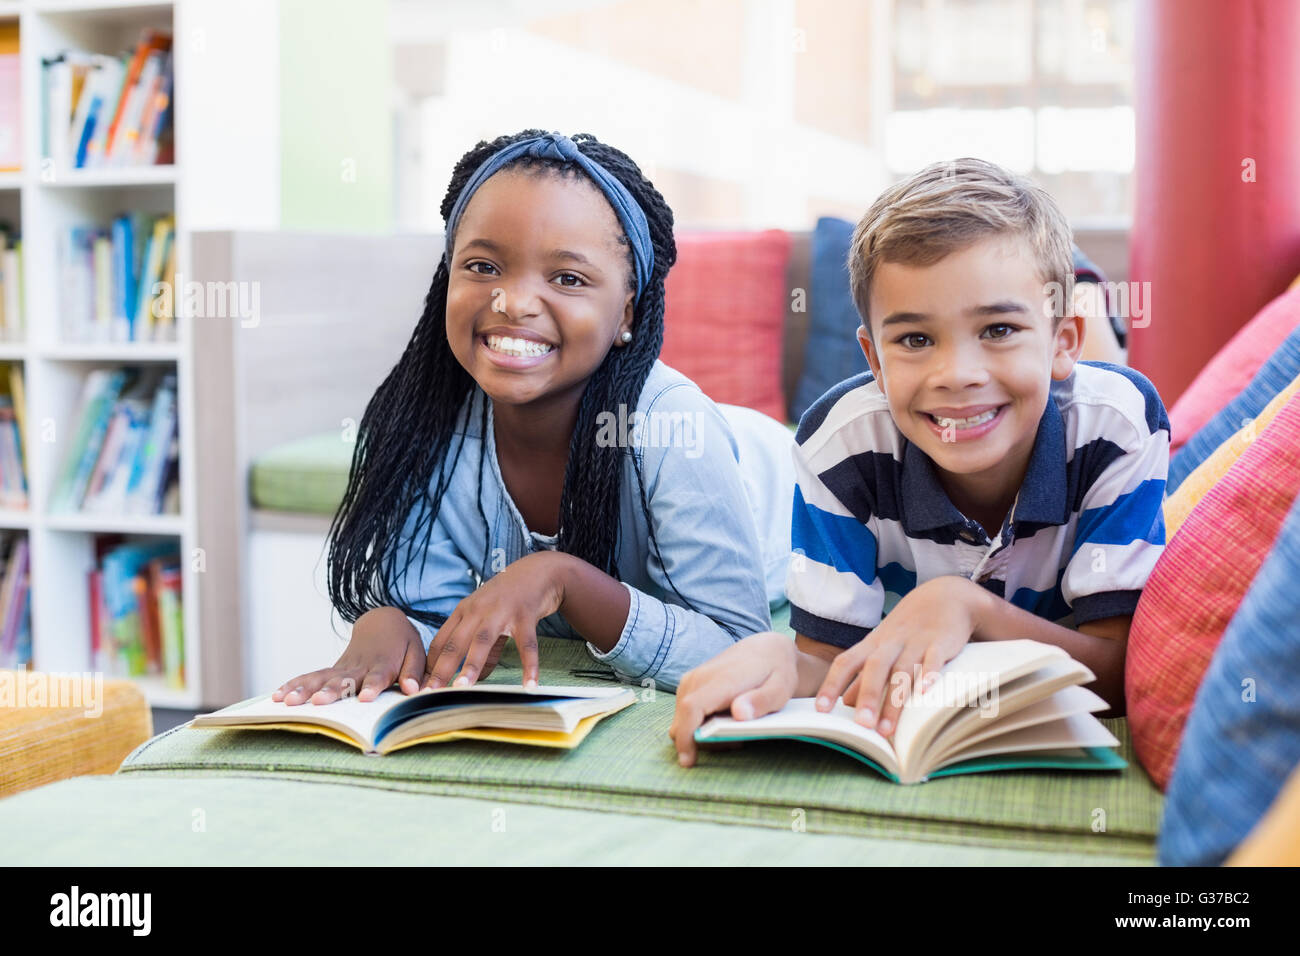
1011	330
576	283
472	266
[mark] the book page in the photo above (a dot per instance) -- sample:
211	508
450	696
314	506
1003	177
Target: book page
1008	699
801	718
1077	730
971	679
354	717
1062	703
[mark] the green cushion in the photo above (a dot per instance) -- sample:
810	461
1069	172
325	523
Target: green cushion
628	765
309	475
155	820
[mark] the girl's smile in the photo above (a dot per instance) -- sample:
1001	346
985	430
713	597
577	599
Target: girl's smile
515	347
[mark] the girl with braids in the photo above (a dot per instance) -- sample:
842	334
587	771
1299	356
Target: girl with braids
495	492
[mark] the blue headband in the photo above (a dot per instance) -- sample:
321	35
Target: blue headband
559	147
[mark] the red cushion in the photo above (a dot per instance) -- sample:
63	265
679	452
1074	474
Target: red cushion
1196	586
1233	367
724	311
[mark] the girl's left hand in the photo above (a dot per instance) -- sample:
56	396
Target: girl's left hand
507	605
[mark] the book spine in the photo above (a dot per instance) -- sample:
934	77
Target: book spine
169	612
152	460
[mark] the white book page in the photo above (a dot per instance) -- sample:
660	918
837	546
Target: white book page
970	678
349	714
1077	730
800	717
1064	703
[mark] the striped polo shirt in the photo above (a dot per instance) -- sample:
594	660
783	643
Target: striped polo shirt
871	520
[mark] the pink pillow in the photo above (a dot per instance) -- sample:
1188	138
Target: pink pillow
1197	584
725	305
1233	366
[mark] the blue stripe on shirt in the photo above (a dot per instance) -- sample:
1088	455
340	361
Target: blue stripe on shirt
837	541
1136	516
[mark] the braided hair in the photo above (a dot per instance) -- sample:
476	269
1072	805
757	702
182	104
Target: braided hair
409	426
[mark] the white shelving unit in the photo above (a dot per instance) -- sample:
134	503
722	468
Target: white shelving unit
44	202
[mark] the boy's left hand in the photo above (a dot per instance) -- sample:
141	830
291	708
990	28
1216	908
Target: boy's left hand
925	630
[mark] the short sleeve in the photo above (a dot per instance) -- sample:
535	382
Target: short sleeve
1120	532
834	591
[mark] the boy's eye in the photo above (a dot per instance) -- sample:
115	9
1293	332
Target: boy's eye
577	280
904	340
1010	330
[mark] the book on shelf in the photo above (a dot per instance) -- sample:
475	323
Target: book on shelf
15	609
108	110
545	716
115	280
13	414
11	123
11	284
136	621
123	456
997	705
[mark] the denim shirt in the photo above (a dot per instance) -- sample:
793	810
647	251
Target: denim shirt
719	481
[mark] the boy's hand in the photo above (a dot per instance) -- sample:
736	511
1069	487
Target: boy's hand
507	605
924	631
754	676
384	648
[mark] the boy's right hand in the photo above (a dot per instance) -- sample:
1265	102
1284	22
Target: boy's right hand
384	649
755	676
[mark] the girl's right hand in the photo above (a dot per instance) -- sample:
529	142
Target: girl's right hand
384	649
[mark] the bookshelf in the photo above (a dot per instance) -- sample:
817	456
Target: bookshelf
44	202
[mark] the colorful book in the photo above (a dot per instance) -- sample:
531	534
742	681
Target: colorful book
542	716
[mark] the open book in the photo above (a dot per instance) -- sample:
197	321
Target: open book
509	713
996	705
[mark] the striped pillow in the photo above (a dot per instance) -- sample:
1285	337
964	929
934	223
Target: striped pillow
1276	373
1197	585
1207	474
1232	368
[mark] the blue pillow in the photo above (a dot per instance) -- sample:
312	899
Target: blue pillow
833	353
1242	739
1274	375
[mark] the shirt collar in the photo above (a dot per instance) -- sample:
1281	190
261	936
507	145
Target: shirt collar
926	505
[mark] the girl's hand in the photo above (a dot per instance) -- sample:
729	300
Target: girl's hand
506	606
384	648
924	631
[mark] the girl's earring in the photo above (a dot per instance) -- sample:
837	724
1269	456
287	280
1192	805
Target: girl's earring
626	337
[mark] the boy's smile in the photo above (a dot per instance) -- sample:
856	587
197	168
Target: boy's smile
965	353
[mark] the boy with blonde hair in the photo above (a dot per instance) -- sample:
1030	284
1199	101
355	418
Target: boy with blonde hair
980	483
